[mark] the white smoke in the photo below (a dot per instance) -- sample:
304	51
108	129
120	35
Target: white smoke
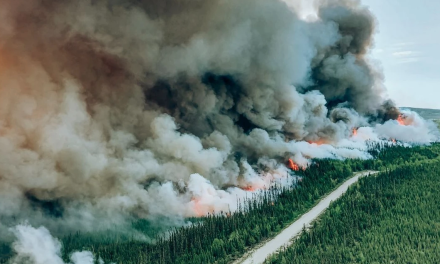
37	246
410	128
116	110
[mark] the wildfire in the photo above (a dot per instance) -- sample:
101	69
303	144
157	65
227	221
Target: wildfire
201	209
250	189
355	131
198	210
255	187
293	166
401	120
318	142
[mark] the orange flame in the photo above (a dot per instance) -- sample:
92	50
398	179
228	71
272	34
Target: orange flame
401	120
250	189
355	131
198	210
293	166
318	142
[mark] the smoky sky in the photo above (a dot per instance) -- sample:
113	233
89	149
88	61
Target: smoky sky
114	110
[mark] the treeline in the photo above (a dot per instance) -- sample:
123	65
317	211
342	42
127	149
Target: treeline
391	218
222	238
393	156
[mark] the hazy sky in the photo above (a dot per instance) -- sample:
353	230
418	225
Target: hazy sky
408	48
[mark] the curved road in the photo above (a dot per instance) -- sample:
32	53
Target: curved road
284	238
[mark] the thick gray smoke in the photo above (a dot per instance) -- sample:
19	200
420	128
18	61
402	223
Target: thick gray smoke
118	109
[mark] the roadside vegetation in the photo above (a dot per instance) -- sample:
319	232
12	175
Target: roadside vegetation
223	238
390	218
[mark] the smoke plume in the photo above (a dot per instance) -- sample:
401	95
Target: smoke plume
37	246
115	110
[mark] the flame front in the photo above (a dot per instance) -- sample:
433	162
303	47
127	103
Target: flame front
198	210
318	142
401	120
201	208
250	189
293	166
355	131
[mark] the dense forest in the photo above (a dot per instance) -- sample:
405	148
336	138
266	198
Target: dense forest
223	237
391	218
220	238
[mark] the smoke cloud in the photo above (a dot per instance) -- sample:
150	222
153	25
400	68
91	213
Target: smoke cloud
37	246
116	110
411	128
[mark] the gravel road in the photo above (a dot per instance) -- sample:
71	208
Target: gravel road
285	237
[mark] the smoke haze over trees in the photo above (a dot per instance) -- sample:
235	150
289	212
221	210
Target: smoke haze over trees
118	110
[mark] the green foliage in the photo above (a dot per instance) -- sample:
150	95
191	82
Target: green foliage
222	238
391	218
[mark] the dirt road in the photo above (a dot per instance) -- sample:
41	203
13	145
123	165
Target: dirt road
285	237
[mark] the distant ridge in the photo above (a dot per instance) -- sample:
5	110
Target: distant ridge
426	113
